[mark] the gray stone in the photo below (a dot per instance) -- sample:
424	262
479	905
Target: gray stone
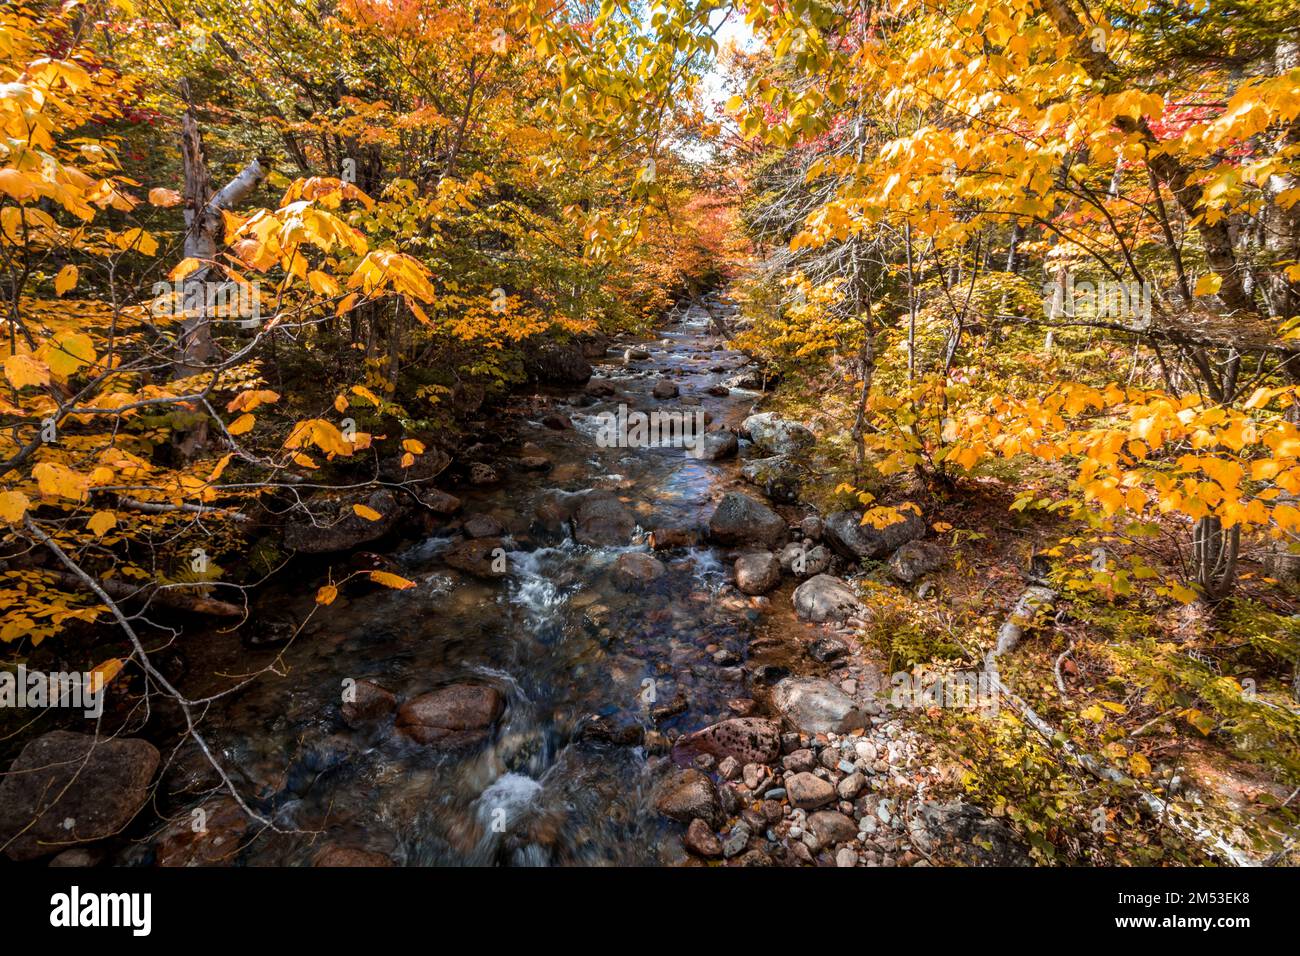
777	436
823	598
816	706
915	559
846	534
757	573
740	519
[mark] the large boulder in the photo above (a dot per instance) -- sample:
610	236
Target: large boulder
557	363
330	523
686	795
757	573
777	436
814	705
718	445
68	788
458	715
823	598
845	532
602	521
555	509
740	519
969	836
747	739
778	476
914	560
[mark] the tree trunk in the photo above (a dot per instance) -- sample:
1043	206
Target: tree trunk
203	233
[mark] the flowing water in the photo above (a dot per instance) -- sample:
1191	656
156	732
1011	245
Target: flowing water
569	650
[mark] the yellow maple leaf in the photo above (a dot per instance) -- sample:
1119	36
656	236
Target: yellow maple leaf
65	280
395	581
101	521
13	505
370	514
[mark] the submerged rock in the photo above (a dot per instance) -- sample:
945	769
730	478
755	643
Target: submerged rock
481	557
602	521
457	715
633	571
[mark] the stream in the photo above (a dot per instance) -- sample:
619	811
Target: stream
596	678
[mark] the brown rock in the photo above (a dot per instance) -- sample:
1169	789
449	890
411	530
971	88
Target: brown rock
68	788
454	716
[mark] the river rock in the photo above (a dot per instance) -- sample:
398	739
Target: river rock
481	557
915	559
686	795
66	788
602	521
335	855
483	526
831	826
777	436
808	791
634	571
746	739
482	474
740	519
701	840
439	502
845	532
331	524
600	388
803	561
211	834
369	702
664	539
972	836
665	388
778	476
757	573
718	445
555	509
457	715
823	598
816	706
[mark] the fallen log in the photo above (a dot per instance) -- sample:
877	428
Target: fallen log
169	596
